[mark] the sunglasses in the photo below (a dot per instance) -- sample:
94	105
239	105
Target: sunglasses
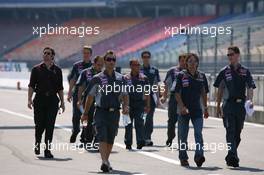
110	59
135	65
230	54
146	57
47	53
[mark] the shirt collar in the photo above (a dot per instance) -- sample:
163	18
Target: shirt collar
84	63
113	75
43	65
146	67
233	67
137	76
193	76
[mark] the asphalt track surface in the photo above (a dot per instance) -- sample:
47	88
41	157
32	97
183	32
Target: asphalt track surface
17	138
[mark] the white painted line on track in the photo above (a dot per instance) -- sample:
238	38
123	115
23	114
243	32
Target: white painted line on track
218	119
148	154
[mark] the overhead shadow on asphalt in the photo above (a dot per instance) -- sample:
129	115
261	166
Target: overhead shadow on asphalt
54	159
249	169
207	168
116	172
191	150
145	150
26	127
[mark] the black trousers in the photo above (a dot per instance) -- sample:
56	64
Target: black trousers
88	133
234	117
76	115
45	112
172	117
135	114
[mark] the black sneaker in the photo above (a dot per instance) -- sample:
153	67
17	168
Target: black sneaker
48	155
140	146
128	147
37	148
233	162
73	138
169	143
149	143
109	166
199	161
105	168
184	163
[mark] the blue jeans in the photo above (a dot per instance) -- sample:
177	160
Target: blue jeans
183	129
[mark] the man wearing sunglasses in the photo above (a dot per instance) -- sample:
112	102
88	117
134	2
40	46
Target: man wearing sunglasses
235	85
82	83
46	82
73	91
108	101
139	103
154	78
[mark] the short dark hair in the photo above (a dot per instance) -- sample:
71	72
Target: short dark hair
234	48
132	60
49	48
88	48
182	56
189	55
109	52
97	58
145	52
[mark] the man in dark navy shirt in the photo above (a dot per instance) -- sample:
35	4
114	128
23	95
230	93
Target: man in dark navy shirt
46	82
139	103
170	83
106	89
232	83
191	87
82	83
73	91
154	78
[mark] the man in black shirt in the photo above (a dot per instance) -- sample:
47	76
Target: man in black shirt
191	95
46	82
235	85
77	68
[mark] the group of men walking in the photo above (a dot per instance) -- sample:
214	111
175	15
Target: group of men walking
185	86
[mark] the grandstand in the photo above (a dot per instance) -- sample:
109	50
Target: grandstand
66	45
130	26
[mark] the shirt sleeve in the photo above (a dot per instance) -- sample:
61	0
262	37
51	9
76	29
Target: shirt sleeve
218	79
72	74
206	86
81	79
92	87
178	86
157	77
60	83
166	77
249	80
33	78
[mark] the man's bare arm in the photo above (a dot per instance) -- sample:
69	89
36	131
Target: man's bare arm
80	92
61	96
30	94
71	85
